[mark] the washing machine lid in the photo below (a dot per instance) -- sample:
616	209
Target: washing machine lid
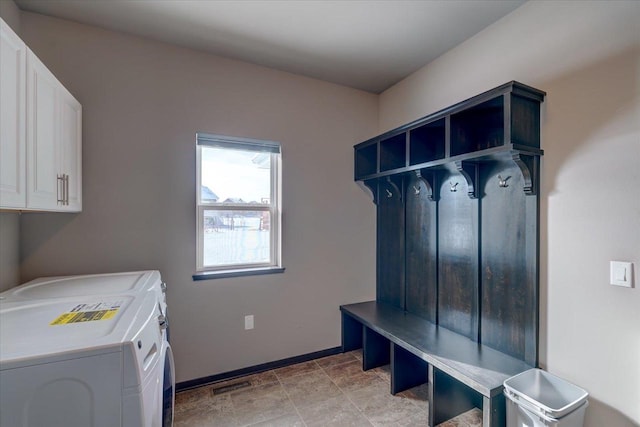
93	284
42	331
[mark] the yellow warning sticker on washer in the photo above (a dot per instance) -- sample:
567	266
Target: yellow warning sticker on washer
88	313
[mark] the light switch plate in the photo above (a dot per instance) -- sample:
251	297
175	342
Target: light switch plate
621	274
248	322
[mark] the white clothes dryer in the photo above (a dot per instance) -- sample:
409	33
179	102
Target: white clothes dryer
93	284
132	282
89	284
86	351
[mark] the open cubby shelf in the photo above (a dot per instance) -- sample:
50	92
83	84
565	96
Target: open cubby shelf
366	160
427	142
393	152
479	127
499	123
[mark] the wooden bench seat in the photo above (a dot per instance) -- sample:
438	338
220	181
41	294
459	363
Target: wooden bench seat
461	373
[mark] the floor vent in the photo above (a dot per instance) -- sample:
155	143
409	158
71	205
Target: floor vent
231	387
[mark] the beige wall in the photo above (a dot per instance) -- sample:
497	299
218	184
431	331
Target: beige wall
10	14
9	250
586	56
143	102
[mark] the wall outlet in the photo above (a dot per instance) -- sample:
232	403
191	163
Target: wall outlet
248	322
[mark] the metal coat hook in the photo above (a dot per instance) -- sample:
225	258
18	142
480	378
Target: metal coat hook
502	183
389	193
452	186
416	190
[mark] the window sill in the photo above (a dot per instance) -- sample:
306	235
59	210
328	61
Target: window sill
209	275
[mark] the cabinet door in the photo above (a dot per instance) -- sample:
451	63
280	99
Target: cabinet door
12	119
43	183
71	149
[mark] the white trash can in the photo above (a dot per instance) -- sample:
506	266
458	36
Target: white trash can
536	398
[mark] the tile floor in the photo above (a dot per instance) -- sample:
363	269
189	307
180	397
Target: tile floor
332	391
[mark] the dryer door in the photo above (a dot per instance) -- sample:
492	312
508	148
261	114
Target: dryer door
168	387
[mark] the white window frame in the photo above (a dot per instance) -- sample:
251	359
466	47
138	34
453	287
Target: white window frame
273	207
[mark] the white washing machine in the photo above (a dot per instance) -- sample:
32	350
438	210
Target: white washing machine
86	351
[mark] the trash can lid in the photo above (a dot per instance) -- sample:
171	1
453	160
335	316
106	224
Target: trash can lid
545	393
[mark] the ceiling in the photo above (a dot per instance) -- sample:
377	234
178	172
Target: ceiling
366	44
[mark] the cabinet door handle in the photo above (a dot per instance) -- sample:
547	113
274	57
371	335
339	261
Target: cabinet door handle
66	190
60	189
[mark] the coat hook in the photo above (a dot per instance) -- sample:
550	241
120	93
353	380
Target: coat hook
389	193
502	183
453	186
416	189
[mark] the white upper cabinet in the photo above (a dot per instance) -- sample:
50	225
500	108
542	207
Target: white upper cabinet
44	187
49	123
71	150
12	119
53	142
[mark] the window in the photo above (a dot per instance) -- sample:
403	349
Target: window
238	206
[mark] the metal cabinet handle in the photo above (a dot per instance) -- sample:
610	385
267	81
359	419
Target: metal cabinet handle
66	190
60	189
